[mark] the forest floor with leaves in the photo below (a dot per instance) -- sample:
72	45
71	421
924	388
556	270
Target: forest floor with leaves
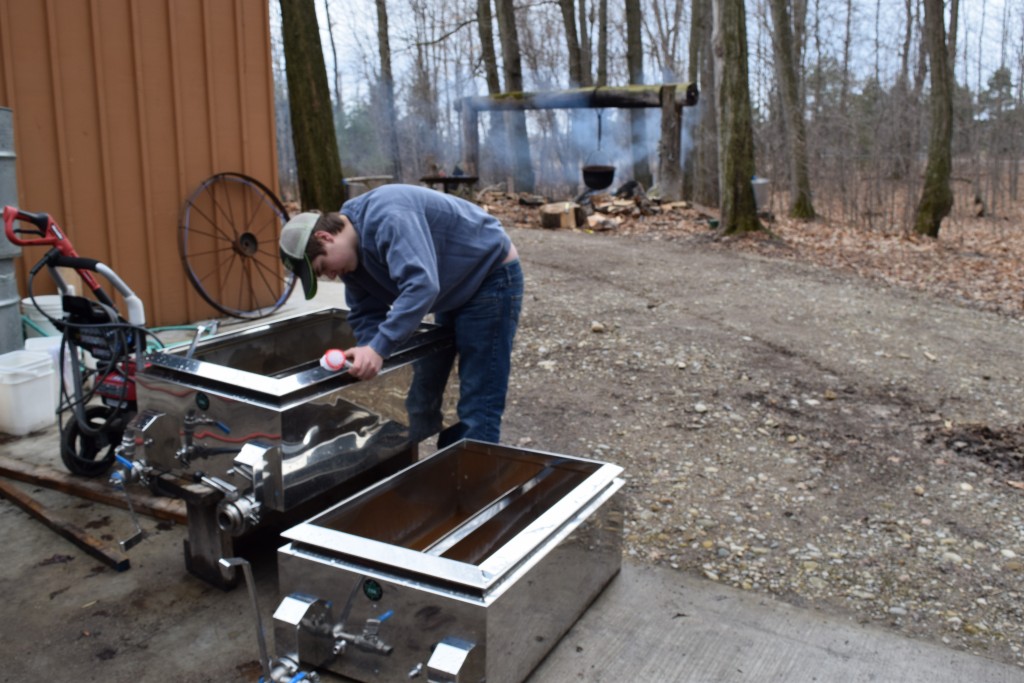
977	261
827	415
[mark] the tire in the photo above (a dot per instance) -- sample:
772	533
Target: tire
87	455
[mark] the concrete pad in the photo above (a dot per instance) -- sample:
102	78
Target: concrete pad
65	617
662	625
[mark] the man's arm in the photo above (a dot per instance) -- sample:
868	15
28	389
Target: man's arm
408	251
366	313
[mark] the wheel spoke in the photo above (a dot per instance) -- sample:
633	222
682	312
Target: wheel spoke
212	222
208	252
219	236
228	218
262	271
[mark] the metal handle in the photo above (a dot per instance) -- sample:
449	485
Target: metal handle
119	480
200	331
227	563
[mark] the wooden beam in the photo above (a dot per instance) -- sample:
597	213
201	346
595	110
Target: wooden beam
624	97
104	552
92	489
470	141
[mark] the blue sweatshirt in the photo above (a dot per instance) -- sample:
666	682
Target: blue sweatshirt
420	252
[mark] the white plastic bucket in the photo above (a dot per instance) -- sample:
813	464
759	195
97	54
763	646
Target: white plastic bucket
51	346
48	304
26	392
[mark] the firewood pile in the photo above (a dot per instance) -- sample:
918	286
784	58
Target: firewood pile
627	211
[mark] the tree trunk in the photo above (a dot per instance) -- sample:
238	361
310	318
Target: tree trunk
700	131
309	98
387	85
602	43
937	195
572	42
688	151
735	126
485	21
847	46
586	61
522	167
577	76
338	105
786	58
635	63
497	135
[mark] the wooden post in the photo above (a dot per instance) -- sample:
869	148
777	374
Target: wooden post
670	171
470	139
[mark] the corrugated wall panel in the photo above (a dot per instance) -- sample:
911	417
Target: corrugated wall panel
191	108
158	139
122	162
122	108
27	50
259	77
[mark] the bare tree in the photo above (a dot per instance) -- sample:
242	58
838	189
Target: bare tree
700	130
338	108
316	145
786	61
937	195
576	77
485	27
602	43
847	47
735	128
515	120
586	60
664	36
635	64
387	86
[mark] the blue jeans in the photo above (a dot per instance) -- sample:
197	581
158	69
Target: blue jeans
484	329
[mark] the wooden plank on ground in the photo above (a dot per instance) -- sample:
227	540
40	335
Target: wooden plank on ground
104	552
97	490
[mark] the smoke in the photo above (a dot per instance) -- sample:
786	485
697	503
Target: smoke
691	119
563	141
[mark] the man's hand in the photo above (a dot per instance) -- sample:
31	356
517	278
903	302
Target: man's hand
366	362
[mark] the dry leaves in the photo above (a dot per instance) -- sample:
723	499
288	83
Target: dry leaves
977	261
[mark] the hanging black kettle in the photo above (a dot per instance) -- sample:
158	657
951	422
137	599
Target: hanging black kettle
598	170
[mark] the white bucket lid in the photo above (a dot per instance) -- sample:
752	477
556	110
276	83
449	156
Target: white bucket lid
46	302
25	363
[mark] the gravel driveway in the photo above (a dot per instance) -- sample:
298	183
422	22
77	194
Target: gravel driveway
840	444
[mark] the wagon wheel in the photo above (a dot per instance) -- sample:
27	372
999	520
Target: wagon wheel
227	237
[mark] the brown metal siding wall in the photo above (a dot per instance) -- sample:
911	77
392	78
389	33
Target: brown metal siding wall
121	108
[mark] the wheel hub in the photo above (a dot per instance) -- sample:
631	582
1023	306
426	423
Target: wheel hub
247	244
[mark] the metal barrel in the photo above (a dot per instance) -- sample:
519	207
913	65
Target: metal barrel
11	335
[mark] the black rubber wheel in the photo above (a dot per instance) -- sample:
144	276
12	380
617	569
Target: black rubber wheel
87	455
227	237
